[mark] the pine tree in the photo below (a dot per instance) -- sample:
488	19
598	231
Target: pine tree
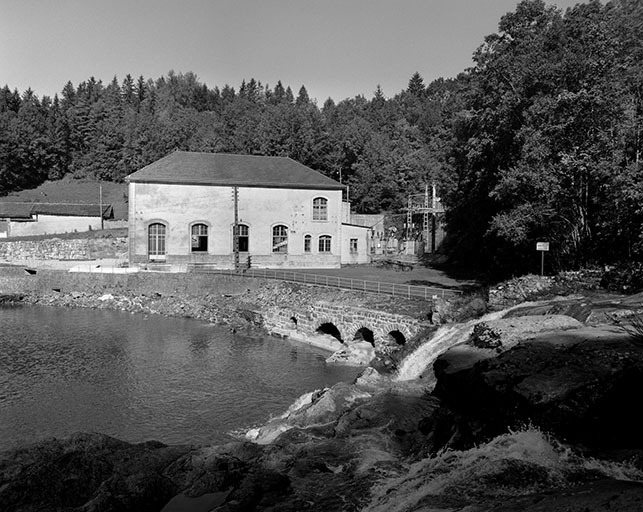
416	85
302	97
127	91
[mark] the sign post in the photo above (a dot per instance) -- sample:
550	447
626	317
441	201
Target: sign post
542	247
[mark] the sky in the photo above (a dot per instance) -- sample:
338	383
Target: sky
335	48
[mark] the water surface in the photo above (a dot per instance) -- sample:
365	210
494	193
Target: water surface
141	377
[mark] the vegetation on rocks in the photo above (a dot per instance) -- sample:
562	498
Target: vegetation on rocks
624	278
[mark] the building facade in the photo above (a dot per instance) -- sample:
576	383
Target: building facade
186	207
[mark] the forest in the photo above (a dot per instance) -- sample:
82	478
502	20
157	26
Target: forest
539	140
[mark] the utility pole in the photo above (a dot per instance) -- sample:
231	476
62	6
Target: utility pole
235	229
100	205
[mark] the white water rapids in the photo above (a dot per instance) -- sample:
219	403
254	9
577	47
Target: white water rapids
445	337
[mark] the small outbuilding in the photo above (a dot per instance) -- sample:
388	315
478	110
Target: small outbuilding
232	211
27	219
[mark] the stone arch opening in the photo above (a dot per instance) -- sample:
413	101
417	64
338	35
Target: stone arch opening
293	321
330	328
365	334
399	338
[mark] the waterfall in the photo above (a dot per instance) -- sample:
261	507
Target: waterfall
445	337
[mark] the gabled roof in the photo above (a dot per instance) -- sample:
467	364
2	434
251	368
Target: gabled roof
188	168
17	210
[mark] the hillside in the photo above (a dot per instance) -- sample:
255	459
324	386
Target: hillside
69	190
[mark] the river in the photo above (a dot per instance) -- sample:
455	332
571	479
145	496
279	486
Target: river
140	377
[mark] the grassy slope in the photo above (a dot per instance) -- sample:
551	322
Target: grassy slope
69	190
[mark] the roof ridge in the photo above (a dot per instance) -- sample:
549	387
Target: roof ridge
231	154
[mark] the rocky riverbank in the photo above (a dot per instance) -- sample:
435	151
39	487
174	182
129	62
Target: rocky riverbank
533	409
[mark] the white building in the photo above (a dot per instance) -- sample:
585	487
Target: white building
184	208
26	219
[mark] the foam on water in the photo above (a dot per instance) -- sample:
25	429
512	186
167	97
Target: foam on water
445	337
513	464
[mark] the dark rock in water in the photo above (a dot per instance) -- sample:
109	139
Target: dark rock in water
396	415
92	471
584	393
485	337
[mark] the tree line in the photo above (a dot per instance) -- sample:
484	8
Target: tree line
540	140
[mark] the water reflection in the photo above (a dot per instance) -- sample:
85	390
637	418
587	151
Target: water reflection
142	377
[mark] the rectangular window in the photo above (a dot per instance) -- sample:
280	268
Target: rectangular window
244	238
353	245
307	244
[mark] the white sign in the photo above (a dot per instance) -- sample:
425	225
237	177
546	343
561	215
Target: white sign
542	246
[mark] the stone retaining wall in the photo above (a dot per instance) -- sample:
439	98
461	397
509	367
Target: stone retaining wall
63	249
17	280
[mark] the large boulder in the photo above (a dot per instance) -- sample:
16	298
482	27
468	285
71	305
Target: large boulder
581	385
312	409
92	471
504	333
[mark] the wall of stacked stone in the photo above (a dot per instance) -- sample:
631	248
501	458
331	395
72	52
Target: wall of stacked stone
307	318
63	249
18	280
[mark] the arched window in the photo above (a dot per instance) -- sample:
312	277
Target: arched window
156	241
199	238
280	239
307	243
320	208
324	243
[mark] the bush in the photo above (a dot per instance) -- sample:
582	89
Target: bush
633	326
626	278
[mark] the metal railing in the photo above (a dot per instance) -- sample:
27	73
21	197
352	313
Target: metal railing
346	283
